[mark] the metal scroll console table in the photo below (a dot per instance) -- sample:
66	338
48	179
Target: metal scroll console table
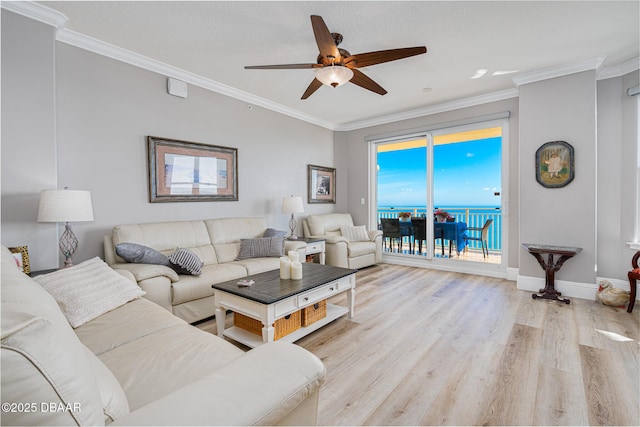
550	267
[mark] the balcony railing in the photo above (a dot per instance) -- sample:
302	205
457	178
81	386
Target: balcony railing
473	216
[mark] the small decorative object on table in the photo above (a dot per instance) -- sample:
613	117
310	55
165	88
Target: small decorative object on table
404	216
442	215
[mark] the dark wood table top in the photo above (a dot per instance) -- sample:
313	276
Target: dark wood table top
269	288
549	249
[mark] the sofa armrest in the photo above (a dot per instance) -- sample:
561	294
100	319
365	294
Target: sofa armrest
263	386
373	234
147	271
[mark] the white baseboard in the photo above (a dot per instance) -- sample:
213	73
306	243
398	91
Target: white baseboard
512	273
567	288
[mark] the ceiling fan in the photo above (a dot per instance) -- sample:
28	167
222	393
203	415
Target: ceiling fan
337	66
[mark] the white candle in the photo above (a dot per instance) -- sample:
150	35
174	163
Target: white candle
296	270
294	256
285	268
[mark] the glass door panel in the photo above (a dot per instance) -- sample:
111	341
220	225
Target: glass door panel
467	185
401	168
458	173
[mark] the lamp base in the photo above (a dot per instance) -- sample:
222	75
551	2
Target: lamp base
68	245
292	227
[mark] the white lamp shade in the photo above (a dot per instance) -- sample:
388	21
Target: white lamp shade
65	206
335	75
292	204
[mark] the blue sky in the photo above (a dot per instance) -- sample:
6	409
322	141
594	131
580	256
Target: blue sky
466	174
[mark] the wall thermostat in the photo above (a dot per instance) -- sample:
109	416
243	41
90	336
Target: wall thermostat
177	87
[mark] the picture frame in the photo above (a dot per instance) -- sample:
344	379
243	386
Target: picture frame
321	184
21	255
555	164
183	171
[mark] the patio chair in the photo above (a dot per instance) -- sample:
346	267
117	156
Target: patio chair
390	230
482	238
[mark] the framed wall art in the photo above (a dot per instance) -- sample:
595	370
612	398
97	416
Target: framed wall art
21	255
555	164
321	183
181	171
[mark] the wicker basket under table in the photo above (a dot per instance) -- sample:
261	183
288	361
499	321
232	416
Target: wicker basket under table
314	312
282	327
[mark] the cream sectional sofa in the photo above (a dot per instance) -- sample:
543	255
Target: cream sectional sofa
139	365
215	241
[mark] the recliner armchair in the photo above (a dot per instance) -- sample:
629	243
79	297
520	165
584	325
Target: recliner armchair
340	251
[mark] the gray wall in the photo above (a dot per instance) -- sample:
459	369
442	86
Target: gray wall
618	179
104	109
562	108
28	134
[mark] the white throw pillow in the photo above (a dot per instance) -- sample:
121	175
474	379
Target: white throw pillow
114	402
88	290
356	233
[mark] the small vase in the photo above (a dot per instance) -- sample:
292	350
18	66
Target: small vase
441	218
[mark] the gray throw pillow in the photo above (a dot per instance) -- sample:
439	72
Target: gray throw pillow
261	247
184	261
272	232
140	254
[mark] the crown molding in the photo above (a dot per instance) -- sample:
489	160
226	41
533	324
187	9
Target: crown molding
619	70
36	12
553	72
440	108
114	52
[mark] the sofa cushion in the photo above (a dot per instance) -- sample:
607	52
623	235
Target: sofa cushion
190	288
184	261
261	247
157	364
259	265
42	359
114	401
133	320
140	254
87	290
167	236
361	248
225	235
356	233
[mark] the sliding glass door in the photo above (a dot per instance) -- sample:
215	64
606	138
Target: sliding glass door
455	172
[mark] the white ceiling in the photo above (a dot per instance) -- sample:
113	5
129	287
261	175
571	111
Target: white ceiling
213	40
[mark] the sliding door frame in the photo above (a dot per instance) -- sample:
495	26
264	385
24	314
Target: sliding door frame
496	270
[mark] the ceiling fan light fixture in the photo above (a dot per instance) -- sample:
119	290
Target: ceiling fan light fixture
335	75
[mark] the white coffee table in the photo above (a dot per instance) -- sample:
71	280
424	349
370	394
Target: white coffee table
271	298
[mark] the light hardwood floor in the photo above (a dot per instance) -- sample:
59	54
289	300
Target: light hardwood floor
429	347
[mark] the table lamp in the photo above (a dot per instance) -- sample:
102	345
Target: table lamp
66	206
292	205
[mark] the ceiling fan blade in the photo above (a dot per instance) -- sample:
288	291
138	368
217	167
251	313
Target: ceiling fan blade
282	67
360	79
380	56
314	86
324	39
